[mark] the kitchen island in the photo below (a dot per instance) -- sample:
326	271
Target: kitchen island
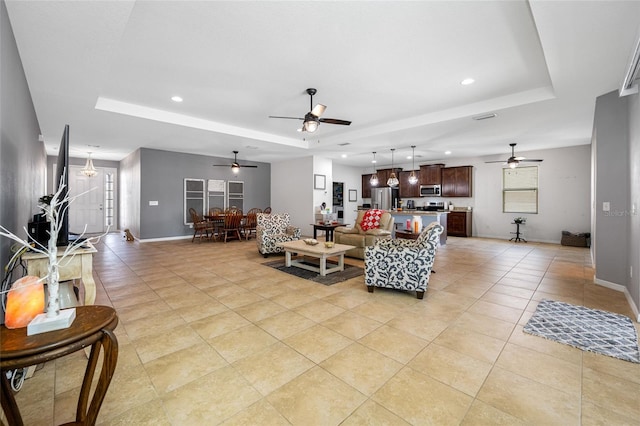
400	220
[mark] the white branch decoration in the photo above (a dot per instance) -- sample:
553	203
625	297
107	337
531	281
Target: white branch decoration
54	213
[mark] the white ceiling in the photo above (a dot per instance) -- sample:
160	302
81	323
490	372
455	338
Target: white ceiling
109	69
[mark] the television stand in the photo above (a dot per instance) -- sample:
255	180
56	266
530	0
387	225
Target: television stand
78	267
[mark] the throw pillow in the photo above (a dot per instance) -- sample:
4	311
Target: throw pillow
371	219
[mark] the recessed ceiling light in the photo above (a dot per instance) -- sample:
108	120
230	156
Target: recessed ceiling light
344	155
447	153
176	99
374	161
408	157
467	81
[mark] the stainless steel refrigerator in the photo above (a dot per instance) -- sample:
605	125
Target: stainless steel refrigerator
384	198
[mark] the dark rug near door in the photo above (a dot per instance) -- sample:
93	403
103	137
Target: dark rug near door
588	329
330	279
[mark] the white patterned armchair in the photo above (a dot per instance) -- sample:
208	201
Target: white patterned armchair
402	264
272	229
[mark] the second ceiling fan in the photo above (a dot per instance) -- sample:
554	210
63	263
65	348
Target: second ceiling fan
513	161
312	119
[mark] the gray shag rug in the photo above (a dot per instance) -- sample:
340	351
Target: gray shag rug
588	329
330	279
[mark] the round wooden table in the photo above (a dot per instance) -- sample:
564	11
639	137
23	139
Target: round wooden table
93	327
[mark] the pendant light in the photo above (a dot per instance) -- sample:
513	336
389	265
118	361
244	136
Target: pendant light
374	177
393	180
413	179
89	170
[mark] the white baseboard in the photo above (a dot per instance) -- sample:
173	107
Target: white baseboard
502	237
623	289
154	240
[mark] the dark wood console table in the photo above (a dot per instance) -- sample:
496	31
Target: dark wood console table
93	327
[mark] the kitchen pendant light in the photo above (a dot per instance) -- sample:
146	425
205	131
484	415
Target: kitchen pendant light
413	179
393	180
374	177
89	170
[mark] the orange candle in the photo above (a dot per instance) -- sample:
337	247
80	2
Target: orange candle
25	301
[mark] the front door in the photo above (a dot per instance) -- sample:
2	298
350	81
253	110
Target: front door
87	209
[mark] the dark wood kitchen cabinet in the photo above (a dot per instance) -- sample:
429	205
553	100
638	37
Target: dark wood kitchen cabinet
457	181
431	174
408	190
459	223
366	186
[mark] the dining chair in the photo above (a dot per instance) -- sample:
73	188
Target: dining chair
232	224
200	227
250	223
267	210
216	217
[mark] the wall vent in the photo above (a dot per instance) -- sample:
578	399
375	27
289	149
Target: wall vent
484	116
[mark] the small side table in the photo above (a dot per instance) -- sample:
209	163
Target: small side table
327	228
517	238
406	234
93	327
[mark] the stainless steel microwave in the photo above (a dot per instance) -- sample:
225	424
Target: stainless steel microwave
429	190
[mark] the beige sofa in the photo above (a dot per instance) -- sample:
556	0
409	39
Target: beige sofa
355	236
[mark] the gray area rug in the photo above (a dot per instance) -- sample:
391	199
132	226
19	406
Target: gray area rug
591	330
330	279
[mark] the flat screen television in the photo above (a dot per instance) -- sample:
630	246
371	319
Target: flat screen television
62	166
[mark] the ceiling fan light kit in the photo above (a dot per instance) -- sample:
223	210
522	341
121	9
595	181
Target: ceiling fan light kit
235	166
312	120
514	161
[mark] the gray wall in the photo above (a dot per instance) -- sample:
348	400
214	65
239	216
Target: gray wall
22	157
161	179
611	152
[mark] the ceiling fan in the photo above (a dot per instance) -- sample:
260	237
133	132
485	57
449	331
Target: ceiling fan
513	161
312	119
235	166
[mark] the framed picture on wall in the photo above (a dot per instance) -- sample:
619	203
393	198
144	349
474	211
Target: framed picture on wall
319	182
353	195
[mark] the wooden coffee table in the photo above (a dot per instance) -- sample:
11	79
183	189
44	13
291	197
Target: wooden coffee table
319	251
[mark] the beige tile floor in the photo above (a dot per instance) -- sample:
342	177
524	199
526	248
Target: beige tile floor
210	336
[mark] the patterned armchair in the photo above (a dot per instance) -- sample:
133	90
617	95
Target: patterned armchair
402	264
272	229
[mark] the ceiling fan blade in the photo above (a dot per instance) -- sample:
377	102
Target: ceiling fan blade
246	165
531	160
289	118
335	121
318	110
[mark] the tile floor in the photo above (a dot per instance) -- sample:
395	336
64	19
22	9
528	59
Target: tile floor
209	336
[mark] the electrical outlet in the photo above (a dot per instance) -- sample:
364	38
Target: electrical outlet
606	206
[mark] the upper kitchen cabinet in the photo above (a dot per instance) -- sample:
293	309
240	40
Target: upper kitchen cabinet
457	181
431	174
366	186
408	190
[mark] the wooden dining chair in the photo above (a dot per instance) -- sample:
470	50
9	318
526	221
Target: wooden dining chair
200	227
232	224
250	223
267	210
216	217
